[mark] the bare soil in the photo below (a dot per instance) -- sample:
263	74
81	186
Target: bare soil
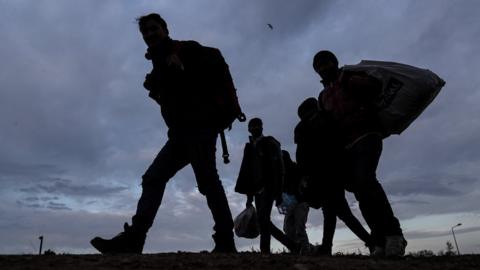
239	261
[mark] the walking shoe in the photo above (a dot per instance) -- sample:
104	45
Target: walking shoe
127	241
395	246
322	250
371	247
224	244
306	249
377	251
224	249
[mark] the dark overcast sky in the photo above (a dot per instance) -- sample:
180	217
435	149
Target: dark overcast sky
77	129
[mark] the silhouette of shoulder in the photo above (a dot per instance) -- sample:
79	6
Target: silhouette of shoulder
270	140
189	43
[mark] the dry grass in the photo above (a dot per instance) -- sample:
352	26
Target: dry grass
239	261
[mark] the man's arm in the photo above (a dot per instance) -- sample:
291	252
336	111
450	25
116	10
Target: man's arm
364	87
249	200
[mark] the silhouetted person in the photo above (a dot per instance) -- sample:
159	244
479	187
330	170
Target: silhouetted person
180	83
261	178
347	98
319	160
296	216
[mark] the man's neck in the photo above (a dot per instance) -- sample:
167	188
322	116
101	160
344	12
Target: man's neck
254	140
330	82
161	49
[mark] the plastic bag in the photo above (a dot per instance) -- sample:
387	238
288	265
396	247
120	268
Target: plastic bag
246	224
406	91
288	202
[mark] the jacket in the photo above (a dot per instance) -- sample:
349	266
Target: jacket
261	168
188	88
319	158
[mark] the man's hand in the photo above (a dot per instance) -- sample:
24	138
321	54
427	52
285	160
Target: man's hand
278	201
148	83
249	202
285	203
241	117
175	62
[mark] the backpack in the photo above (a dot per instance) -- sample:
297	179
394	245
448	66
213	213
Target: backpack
406	92
223	102
212	92
210	73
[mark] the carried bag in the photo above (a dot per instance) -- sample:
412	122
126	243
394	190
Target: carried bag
223	95
220	98
406	91
224	103
246	224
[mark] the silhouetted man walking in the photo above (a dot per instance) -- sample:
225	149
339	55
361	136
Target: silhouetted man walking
188	82
319	162
348	99
261	179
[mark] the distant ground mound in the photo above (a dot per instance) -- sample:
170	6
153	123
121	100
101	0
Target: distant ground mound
241	261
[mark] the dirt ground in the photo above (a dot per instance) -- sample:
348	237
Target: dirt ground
241	261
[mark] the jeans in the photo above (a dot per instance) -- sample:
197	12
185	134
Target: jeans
180	150
337	206
294	224
264	203
362	159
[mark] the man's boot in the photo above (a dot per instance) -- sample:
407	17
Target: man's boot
127	241
395	246
322	250
224	244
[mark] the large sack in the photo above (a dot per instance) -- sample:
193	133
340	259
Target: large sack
246	224
406	91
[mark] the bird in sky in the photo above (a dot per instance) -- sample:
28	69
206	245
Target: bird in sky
270	26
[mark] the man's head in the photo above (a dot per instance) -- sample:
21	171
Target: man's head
308	108
153	28
255	127
286	156
325	63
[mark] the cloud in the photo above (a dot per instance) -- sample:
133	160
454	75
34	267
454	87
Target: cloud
433	184
57	206
21	169
433	234
22	232
67	188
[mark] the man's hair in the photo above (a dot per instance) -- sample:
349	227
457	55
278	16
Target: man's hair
142	21
324	57
308	107
286	155
255	121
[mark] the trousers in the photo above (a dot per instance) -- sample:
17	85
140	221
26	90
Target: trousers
294	224
198	150
362	159
264	203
